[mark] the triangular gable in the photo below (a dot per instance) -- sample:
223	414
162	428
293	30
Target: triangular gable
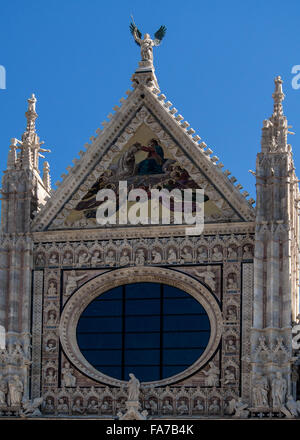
142	116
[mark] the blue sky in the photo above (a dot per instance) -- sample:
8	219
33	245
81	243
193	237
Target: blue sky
216	65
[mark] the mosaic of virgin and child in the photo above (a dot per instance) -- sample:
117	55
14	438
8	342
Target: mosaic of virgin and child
152	171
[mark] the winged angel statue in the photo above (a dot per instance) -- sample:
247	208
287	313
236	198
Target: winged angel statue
147	43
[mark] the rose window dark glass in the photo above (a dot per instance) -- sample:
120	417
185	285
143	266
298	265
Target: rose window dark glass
152	330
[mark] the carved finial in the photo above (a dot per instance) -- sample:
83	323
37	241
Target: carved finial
278	97
46	176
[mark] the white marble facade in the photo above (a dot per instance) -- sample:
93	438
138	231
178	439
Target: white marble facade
245	268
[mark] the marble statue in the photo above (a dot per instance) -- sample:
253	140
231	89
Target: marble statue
202	254
247	254
292	406
52	318
49	407
110	259
31	408
167	407
53	259
241	409
214	407
156	257
216	255
72	280
198	405
15	391
212	375
124	258
140	258
229	376
62	406
83	258
232	255
231	282
153	406
92	406
3	390
133	388
50	376
230	345
68	259
231	313
278	390
77	407
40	261
209	277
172	257
182	407
50	347
260	389
96	258
52	290
68	378
186	256
146	44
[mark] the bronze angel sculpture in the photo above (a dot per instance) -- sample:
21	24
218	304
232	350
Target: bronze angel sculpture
147	43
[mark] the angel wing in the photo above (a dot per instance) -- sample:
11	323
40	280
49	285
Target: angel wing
132	28
37	402
159	35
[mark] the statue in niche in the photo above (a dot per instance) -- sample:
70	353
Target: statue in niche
140	257
52	290
260	389
40	260
182	407
278	390
51	346
124	258
217	254
68	258
231	313
186	256
53	260
72	280
214	407
167	407
229	376
231	254
51	318
198	405
77	407
50	376
110	258
133	388
202	254
153	406
96	258
15	391
62	406
3	390
172	257
209	277
49	406
156	257
247	253
92	406
230	345
106	405
68	378
83	258
212	375
146	44
231	282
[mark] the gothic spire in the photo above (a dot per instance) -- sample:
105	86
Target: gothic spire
30	145
275	129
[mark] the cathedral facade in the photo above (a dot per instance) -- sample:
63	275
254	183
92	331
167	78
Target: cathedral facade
203	324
